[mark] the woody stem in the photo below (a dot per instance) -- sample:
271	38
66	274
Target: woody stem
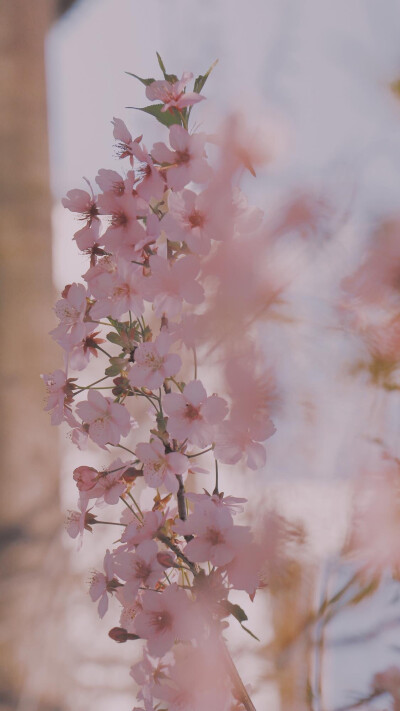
181	499
164	539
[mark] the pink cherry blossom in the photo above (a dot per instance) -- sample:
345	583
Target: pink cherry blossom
107	420
232	503
79	435
138	531
244	570
170	284
128	612
75	523
308	215
187	162
192	415
87	238
102	584
105	265
172	94
60	396
109	181
189	219
161	468
110	484
81	202
165	617
188	331
148	675
247	218
78	521
252	390
216	539
146	671
245	284
126	146
198	680
246	146
118	292
235	440
125	230
153	364
150	182
139	569
71	310
79	353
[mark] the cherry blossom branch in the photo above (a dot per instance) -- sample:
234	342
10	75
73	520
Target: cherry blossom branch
181	499
216	489
130	508
117	287
198	454
86	387
164	539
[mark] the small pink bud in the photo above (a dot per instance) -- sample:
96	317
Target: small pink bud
165	559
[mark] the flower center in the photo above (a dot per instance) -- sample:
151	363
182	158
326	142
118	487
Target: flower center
119	219
196	219
161	620
67	313
118	187
214	536
183	156
121	291
191	412
153	361
144	171
142	570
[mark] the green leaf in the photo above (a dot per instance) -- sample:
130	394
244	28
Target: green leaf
114	338
147	334
235	610
113	371
118	325
146	82
202	78
161	63
165	117
169	77
117	364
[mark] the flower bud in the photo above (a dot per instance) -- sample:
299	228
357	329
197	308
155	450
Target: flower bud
165	559
119	634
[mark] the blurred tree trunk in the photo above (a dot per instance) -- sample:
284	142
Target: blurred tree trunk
30	550
292	603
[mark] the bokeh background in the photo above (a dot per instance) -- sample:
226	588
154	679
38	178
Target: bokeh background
322	73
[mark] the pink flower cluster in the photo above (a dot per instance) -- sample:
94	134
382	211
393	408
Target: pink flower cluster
156	234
